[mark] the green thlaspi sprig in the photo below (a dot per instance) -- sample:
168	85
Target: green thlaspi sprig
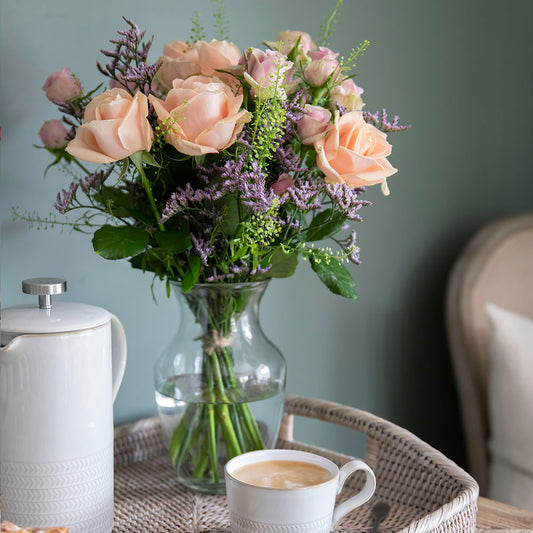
257	233
348	64
197	30
267	128
328	28
220	20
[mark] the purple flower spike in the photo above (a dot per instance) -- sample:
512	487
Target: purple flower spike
65	197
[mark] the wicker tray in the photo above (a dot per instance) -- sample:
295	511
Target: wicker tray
426	491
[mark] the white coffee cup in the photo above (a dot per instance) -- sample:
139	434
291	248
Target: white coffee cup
309	509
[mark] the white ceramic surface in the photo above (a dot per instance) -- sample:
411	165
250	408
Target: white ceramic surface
63	317
56	426
310	509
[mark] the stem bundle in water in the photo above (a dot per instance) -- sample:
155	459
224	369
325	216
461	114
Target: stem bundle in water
219	384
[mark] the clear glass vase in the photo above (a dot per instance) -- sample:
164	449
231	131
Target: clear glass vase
219	383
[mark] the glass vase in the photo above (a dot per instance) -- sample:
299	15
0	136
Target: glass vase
219	383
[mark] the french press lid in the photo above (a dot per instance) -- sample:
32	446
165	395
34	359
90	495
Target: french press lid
47	316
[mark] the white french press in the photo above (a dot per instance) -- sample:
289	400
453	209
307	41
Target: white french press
61	366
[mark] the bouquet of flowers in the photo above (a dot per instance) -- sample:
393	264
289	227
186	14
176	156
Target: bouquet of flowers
217	165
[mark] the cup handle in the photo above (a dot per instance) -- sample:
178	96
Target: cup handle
119	353
362	496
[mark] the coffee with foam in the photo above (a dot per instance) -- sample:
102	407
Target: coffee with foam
282	474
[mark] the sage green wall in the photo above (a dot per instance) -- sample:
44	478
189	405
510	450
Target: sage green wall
459	71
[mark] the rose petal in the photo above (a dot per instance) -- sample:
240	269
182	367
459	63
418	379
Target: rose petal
202	111
135	132
85	147
107	138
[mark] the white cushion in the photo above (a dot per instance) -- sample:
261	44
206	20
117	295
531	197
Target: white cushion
511	407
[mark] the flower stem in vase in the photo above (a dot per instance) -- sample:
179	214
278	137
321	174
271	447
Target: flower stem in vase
219	383
211	433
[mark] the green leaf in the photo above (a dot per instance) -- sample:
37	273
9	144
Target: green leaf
324	225
283	264
149	159
118	242
157	260
190	275
124	169
229	205
333	274
310	159
139	215
175	242
137	160
293	54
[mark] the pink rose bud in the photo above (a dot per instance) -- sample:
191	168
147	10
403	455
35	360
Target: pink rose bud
283	183
346	95
323	65
288	40
314	124
61	87
53	134
266	72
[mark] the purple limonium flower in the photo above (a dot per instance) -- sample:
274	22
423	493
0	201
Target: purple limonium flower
305	194
347	199
380	120
260	270
352	249
95	180
215	277
65	197
203	248
129	50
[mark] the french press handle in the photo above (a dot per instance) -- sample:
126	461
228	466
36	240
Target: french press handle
44	288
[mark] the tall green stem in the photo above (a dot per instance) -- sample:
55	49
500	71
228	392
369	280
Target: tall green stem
137	161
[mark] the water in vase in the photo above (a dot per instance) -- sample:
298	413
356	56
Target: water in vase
200	433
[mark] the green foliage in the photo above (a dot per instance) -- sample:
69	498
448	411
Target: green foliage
332	273
175	242
283	263
324	225
119	242
191	273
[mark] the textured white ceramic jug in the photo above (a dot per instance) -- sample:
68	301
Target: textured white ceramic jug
61	367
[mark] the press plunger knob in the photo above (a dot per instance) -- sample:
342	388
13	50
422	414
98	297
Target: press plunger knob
44	288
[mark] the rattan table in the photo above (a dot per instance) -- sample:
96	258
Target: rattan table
426	491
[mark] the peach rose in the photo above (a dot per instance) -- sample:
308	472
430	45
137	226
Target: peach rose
178	61
314	124
216	55
203	115
354	153
114	127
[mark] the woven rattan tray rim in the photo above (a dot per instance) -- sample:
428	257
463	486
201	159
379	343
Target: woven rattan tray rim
139	440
